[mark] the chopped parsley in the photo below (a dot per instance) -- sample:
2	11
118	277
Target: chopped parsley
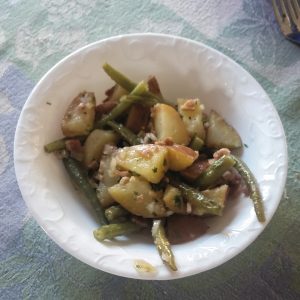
178	200
49	103
154	170
246	145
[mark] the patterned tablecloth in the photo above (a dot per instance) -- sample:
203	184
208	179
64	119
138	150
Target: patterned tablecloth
34	35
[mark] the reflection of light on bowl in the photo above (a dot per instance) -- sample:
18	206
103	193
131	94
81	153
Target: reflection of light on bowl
184	69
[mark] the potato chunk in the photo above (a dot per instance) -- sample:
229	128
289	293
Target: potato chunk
149	161
173	200
80	115
136	196
192	117
95	142
168	124
220	134
180	157
213	202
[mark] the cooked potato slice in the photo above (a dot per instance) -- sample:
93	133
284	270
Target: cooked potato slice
108	175
220	134
192	117
135	195
168	124
180	157
173	200
149	161
80	115
95	142
214	201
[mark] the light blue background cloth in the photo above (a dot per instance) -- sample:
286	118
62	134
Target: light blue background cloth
34	35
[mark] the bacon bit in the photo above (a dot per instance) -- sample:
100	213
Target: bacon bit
166	142
140	221
105	107
138	117
211	161
140	197
121	173
221	152
191	173
75	148
188	208
147	153
124	180
93	165
73	145
154	86
110	91
189	105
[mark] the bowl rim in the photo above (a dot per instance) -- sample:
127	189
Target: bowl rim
36	216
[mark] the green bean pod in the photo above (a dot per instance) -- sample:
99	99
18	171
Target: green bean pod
196	143
162	244
112	230
55	145
119	78
60	144
80	178
124	81
252	185
126	133
215	171
115	212
122	106
201	203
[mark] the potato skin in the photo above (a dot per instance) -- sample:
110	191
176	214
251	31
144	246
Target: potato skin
79	116
168	124
137	196
180	157
220	134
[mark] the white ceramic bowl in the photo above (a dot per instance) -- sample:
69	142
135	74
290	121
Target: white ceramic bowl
184	68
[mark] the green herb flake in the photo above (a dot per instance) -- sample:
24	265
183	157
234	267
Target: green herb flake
154	170
135	193
245	145
177	200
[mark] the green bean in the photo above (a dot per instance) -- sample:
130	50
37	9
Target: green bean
119	78
162	244
144	100
60	144
251	183
215	171
112	230
80	178
126	133
124	82
201	204
122	106
115	212
196	143
55	145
